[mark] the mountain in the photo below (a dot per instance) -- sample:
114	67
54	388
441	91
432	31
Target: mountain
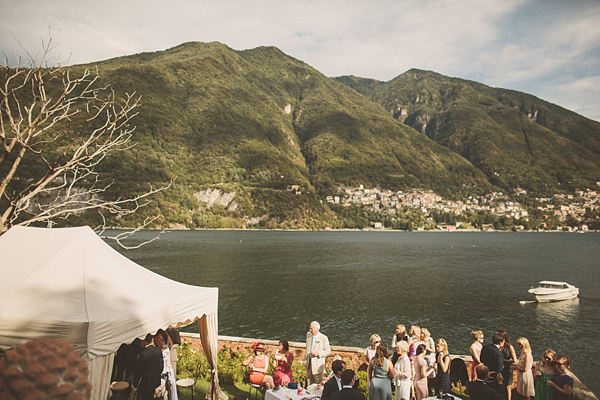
258	137
516	139
257	122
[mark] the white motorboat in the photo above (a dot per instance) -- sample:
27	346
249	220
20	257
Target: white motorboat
554	291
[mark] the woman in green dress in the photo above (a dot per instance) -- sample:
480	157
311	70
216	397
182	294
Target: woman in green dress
544	372
379	373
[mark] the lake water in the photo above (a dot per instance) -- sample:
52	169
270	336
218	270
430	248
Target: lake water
272	284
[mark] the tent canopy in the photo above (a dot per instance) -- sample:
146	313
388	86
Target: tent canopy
69	284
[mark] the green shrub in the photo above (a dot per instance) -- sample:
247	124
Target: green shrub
192	364
298	371
230	366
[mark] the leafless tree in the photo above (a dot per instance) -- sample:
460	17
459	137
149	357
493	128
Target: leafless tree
65	123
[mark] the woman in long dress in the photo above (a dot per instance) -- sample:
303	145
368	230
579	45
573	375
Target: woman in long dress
159	341
403	371
510	358
379	372
475	350
283	371
443	362
525	385
544	371
421	372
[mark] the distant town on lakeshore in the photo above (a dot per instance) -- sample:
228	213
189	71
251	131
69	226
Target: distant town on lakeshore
563	212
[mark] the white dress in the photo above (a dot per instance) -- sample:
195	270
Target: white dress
168	369
403	384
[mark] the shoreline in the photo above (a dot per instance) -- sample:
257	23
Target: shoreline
166	230
352	355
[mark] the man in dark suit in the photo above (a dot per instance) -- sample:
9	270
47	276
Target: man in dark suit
480	390
150	366
348	392
491	356
334	384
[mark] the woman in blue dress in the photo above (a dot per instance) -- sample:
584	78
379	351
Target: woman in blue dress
562	382
379	373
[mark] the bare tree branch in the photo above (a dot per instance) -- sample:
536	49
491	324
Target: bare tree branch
39	106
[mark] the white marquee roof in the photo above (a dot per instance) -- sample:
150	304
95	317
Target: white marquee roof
68	283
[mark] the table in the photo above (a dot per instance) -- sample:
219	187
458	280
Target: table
184	383
435	397
287	394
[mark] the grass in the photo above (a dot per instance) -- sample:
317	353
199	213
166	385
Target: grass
231	390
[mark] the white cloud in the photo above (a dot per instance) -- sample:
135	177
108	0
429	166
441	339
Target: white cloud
526	45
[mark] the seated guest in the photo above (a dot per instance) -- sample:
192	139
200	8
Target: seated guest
284	358
479	389
334	384
348	392
259	364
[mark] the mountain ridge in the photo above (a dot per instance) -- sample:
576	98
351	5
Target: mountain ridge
257	122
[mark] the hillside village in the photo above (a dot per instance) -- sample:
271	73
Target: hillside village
560	207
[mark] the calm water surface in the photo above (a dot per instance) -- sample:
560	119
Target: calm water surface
272	284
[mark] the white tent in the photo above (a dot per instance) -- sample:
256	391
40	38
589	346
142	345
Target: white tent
69	284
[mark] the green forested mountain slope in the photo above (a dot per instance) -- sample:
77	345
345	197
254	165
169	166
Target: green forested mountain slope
258	122
261	120
516	139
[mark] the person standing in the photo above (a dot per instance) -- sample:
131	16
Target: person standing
317	349
491	356
176	340
379	372
475	351
510	358
370	351
159	342
334	384
562	382
397	338
545	371
348	392
422	371
403	372
150	366
525	385
443	362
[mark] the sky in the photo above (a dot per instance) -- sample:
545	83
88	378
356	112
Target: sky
548	48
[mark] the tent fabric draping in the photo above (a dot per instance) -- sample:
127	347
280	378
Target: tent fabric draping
67	283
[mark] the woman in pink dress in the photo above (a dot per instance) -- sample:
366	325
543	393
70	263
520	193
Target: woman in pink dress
476	351
525	383
422	371
284	359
